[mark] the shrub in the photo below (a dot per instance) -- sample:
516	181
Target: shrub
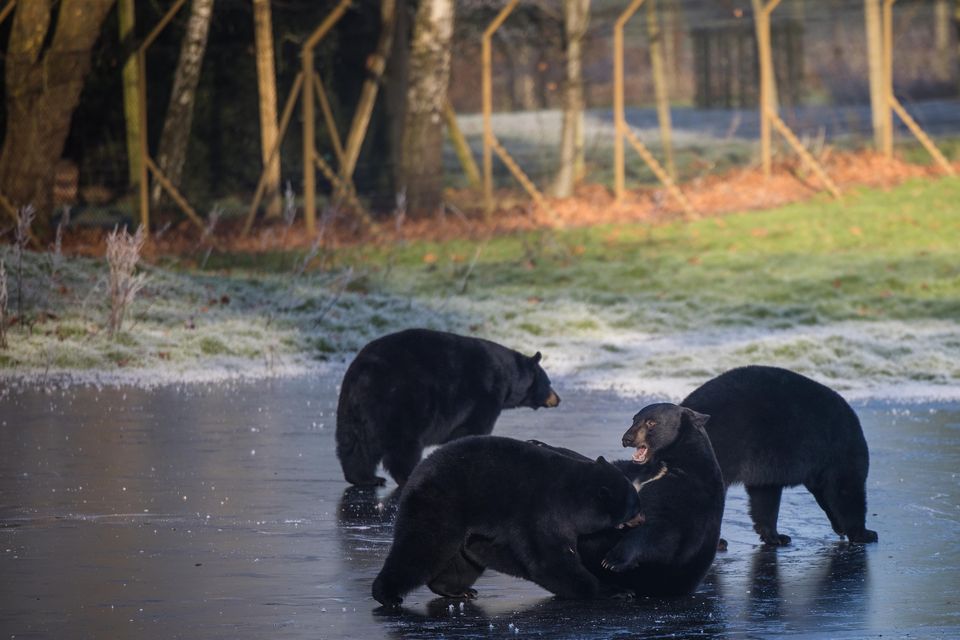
123	253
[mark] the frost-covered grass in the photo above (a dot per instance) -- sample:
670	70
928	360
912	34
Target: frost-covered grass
864	294
187	326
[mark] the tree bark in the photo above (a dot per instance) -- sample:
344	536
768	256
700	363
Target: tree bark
175	136
43	84
267	92
576	18
421	159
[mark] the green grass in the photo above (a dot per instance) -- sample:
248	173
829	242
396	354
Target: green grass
878	254
913	152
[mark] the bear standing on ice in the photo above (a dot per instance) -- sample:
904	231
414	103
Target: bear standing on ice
418	387
509	505
773	428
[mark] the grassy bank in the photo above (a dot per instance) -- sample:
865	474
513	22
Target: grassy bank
878	254
867	289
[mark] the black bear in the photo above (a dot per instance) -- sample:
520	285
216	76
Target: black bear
487	501
681	496
773	428
418	387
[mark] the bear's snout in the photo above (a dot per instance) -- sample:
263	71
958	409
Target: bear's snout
629	438
552	400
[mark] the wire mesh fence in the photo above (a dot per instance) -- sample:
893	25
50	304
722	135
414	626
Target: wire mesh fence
709	51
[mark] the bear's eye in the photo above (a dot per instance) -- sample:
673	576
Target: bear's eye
650	424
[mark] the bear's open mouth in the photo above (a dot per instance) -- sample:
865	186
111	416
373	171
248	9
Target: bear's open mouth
642	454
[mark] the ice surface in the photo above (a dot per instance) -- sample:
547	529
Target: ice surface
96	539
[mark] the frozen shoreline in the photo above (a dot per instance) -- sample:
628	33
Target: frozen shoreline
578	367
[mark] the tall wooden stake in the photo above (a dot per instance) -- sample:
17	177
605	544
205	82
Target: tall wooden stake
879	106
768	97
660	87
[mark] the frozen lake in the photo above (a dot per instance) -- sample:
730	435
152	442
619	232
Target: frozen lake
219	511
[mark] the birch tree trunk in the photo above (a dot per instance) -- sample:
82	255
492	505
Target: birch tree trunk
421	161
576	18
44	77
172	153
267	92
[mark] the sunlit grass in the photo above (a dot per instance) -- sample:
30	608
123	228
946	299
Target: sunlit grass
884	254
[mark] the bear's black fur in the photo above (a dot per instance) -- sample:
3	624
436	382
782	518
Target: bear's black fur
486	501
773	428
681	496
419	387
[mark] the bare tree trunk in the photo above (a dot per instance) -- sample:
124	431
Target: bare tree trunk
421	153
267	91
126	17
43	79
526	83
576	18
175	136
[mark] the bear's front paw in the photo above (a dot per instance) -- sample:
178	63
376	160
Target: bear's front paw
864	536
616	562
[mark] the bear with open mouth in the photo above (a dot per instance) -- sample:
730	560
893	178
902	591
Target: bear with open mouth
681	494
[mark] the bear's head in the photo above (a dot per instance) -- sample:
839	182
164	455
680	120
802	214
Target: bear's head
535	384
658	426
613	500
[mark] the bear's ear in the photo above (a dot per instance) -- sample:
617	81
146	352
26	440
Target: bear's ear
602	460
536	358
696	419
